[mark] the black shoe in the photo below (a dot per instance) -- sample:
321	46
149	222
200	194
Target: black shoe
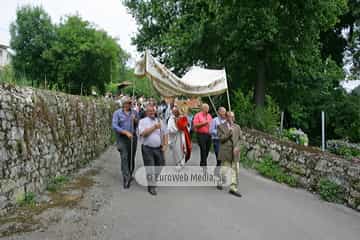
219	187
235	193
152	191
126	182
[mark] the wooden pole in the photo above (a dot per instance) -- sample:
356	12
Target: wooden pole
228	99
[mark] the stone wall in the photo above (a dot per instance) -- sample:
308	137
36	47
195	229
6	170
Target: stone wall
308	165
44	134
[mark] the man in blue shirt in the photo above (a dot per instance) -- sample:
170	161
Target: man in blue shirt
220	119
124	124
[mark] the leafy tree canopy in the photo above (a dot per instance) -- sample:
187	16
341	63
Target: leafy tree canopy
72	56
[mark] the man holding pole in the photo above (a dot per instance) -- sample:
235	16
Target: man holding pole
202	122
153	145
124	124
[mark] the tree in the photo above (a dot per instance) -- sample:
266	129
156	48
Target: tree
261	43
73	56
31	34
343	39
83	57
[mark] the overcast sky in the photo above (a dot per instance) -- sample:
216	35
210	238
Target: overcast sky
109	15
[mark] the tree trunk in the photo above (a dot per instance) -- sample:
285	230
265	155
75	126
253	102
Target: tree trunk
259	94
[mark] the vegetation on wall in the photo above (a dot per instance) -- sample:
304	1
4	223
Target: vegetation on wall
331	191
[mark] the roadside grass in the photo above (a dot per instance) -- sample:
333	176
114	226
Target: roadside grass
57	183
269	169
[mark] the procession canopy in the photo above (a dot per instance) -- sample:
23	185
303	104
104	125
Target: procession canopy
197	82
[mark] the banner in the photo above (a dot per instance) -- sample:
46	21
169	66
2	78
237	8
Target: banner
196	82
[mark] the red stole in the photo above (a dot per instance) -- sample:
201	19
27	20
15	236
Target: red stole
182	124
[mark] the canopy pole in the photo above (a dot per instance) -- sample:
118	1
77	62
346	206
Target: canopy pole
227	92
132	163
228	99
212	104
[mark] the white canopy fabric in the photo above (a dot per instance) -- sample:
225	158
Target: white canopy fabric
196	82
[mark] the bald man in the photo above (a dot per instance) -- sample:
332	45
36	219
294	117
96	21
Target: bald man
202	122
154	142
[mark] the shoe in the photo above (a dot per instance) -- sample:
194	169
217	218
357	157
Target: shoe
126	183
219	187
235	193
152	191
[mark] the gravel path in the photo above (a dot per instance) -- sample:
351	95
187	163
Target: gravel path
267	210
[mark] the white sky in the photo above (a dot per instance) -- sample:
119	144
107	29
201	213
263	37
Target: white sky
109	15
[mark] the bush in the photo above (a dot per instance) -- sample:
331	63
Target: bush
295	135
270	169
331	191
343	148
248	115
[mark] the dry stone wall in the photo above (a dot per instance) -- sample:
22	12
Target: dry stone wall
44	134
308	165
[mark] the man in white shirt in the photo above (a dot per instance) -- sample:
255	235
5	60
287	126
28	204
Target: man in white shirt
153	139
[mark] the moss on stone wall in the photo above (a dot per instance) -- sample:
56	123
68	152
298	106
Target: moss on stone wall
47	134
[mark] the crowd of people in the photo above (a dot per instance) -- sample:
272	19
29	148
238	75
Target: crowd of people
167	127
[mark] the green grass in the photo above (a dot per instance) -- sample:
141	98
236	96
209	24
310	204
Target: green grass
27	199
56	183
270	169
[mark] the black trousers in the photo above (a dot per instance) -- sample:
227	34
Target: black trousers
124	147
204	141
153	161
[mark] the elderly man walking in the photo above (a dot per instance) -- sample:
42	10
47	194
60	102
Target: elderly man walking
124	124
202	122
153	139
229	151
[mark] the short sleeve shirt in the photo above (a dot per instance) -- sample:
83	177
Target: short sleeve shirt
201	117
154	139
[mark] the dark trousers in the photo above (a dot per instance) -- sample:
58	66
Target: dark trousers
153	157
216	143
124	147
204	141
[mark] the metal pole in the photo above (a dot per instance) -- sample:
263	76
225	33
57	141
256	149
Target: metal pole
323	130
282	121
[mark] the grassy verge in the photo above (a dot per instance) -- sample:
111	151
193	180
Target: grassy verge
270	169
